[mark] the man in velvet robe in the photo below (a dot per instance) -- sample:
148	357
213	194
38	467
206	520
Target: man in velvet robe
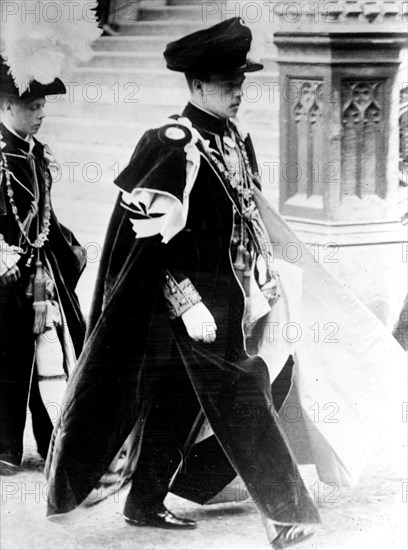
166	329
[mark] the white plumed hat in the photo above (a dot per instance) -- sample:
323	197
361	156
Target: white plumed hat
43	40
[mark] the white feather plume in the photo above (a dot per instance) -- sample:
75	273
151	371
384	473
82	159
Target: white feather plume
48	41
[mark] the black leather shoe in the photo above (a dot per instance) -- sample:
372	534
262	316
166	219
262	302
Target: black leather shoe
162	518
293	534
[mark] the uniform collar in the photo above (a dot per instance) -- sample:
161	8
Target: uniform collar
12	139
204	120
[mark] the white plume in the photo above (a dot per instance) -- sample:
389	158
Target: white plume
47	41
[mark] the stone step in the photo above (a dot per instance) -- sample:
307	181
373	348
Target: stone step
134	80
127	60
132	43
87	95
198	14
131	79
156	28
154	43
150	12
146	109
146	60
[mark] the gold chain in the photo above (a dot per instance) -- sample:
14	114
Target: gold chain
45	223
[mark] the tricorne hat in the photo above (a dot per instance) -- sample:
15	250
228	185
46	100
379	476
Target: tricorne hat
220	49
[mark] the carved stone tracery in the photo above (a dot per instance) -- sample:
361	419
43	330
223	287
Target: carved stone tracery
377	12
362	116
306	115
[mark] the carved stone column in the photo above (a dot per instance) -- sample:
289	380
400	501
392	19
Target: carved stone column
339	114
340	75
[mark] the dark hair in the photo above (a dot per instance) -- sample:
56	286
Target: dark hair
204	76
4	98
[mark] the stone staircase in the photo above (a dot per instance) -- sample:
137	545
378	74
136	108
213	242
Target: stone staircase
112	100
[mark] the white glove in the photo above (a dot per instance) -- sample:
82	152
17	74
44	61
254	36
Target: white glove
9	256
12	275
200	324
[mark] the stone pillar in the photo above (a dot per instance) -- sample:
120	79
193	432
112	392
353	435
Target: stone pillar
339	137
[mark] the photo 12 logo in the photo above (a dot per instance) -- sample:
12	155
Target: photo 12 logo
273	11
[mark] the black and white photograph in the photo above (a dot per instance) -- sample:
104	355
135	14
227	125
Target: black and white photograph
203	274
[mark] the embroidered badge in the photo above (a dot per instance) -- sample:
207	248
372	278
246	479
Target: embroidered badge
175	134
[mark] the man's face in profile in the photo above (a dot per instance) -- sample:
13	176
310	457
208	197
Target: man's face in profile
222	94
25	116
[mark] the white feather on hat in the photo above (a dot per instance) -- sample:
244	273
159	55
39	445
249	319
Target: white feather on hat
42	46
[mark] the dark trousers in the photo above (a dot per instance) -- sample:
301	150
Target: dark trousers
42	425
13	421
16	361
168	423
